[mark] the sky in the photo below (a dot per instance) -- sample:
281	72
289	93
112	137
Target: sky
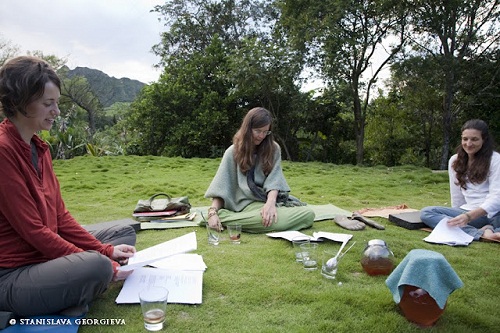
113	36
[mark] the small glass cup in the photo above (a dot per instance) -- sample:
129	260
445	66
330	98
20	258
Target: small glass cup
296	242
329	265
234	233
309	256
213	234
153	305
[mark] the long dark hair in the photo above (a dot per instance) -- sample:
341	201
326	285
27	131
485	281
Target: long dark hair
480	167
244	149
22	80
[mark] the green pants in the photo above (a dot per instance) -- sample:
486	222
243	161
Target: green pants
289	218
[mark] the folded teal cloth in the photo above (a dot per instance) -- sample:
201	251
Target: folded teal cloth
424	269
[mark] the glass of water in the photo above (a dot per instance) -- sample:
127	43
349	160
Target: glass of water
309	256
329	264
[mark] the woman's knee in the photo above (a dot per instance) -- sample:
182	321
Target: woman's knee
93	266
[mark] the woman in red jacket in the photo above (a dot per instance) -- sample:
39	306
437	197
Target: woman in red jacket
49	263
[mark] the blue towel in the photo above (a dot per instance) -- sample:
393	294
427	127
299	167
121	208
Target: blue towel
424	269
38	324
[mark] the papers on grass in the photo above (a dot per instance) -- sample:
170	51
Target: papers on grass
443	233
316	237
181	273
183	286
183	244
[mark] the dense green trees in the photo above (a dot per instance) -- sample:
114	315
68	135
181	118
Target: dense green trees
220	58
341	38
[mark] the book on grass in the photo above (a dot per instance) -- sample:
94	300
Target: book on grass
183	244
176	218
316	237
148	216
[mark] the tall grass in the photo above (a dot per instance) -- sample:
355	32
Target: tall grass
257	286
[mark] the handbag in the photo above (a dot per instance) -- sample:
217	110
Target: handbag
174	206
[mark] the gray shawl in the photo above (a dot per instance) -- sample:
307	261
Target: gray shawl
231	185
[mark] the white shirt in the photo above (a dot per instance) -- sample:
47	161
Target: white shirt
485	195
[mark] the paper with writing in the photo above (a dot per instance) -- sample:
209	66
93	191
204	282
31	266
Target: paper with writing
183	286
443	233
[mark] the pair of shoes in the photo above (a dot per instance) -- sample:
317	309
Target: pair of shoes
371	223
348	224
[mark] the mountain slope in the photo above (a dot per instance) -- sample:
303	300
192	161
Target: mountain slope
108	89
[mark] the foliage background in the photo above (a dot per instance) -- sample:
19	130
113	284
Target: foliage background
221	57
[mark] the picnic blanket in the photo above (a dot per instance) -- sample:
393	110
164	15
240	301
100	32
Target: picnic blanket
323	212
385	211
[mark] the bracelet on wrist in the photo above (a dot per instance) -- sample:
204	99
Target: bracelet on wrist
212	211
469	218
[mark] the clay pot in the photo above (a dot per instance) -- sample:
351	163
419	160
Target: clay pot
419	307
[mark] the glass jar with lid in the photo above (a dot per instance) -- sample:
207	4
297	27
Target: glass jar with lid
377	258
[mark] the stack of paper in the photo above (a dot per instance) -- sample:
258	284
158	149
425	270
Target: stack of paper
443	233
179	272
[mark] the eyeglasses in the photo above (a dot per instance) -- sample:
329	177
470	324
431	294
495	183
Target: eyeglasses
259	132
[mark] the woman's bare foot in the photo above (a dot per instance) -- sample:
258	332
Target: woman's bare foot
488	233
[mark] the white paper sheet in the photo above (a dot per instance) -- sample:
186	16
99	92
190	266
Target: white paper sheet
449	235
183	286
185	262
317	236
166	249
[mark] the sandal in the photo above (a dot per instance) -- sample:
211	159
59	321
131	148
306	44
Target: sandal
348	224
365	220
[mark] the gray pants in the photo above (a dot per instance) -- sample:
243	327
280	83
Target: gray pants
70	281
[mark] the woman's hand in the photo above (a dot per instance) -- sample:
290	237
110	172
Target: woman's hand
214	221
459	221
122	252
121	275
463	219
269	214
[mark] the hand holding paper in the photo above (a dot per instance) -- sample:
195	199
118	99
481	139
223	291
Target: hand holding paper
166	249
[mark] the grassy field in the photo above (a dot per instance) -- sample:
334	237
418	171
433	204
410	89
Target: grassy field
257	286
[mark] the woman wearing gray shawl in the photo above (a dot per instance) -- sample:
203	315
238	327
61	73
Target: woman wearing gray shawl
249	187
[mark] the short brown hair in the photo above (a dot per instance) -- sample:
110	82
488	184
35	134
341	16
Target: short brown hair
22	80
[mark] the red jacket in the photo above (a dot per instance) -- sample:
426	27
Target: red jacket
34	223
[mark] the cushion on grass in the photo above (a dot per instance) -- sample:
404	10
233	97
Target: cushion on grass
408	220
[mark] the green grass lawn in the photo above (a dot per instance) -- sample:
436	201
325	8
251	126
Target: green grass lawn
257	286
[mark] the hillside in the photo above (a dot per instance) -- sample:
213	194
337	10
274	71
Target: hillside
108	89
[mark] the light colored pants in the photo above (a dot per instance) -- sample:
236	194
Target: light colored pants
433	214
70	281
289	218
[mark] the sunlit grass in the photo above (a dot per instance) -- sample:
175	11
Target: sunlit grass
257	286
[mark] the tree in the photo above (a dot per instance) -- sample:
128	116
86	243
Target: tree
7	50
341	38
220	58
79	92
453	31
